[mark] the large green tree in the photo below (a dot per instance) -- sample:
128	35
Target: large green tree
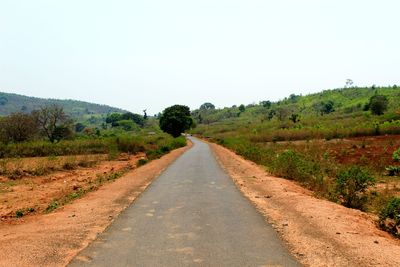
176	120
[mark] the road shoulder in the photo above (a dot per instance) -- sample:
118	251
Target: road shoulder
318	232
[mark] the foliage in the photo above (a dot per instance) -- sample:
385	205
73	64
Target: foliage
389	218
113	118
266	104
176	120
393	170
396	155
136	118
125	120
351	185
127	125
53	122
292	165
378	104
207	106
17	127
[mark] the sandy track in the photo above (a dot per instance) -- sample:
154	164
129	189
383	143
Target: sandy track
319	232
54	239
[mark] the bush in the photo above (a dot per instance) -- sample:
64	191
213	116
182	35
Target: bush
389	217
293	165
396	155
378	104
393	170
351	186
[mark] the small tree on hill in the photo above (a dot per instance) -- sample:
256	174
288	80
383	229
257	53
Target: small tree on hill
176	120
266	104
378	104
207	106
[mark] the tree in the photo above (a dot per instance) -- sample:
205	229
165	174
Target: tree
113	118
324	107
266	104
242	108
53	122
175	120
18	127
293	98
145	114
136	118
349	83
207	106
378	104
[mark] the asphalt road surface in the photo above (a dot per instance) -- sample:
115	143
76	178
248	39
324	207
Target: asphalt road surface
191	215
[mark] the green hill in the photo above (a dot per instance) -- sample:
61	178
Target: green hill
328	114
10	103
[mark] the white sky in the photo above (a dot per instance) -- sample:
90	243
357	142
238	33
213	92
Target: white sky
153	54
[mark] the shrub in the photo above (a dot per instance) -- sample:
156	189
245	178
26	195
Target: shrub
396	155
142	162
293	165
393	170
389	217
19	214
351	186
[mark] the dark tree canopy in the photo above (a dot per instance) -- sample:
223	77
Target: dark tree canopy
136	118
207	106
378	104
266	104
176	120
113	118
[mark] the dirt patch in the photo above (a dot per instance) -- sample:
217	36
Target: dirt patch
318	232
33	194
54	239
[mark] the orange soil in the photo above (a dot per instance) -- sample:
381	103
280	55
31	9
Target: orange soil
318	232
54	239
39	191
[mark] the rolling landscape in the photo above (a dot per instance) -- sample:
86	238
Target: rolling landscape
342	145
199	133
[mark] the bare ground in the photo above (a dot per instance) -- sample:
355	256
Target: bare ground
318	232
54	239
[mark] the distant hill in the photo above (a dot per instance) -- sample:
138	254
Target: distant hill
10	103
345	101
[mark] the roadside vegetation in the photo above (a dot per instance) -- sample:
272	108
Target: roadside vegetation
342	144
47	152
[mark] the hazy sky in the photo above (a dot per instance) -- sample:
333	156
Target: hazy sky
155	53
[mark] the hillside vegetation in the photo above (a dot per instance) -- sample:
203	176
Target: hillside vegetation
330	114
12	103
343	144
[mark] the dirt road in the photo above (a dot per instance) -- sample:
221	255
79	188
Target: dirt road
191	215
